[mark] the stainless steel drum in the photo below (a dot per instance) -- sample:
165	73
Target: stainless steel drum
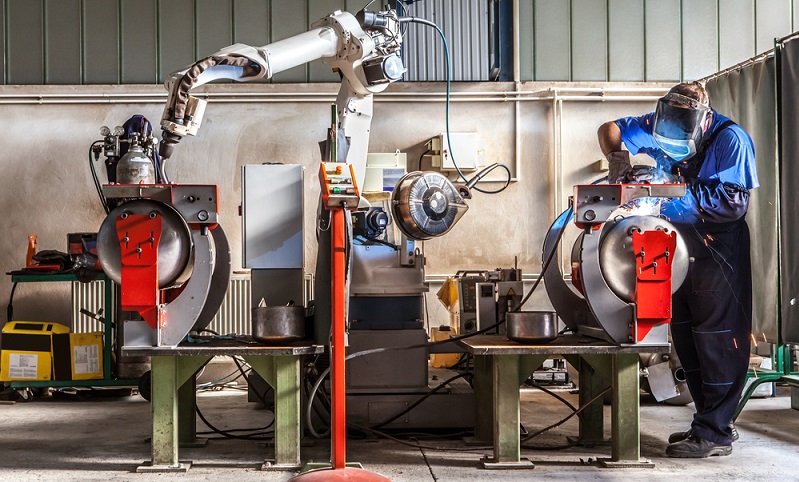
617	260
426	205
175	260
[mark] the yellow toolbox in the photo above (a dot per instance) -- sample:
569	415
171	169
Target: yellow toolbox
26	351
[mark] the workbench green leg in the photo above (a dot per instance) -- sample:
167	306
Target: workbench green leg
187	418
168	373
594	372
625	414
507	450
283	374
484	402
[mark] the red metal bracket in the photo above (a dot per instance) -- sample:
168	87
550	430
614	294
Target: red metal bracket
654	253
139	236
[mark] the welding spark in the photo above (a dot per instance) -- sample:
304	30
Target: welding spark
764	338
735	342
754	340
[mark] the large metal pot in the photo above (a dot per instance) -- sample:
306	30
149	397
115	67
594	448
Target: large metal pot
278	324
531	327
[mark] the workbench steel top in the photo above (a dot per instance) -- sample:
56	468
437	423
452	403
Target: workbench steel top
214	347
562	345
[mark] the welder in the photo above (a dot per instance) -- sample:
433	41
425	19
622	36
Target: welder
712	311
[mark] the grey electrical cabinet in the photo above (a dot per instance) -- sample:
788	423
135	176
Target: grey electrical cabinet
272	216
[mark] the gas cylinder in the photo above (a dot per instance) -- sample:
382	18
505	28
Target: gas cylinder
135	167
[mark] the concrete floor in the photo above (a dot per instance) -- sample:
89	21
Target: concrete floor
56	439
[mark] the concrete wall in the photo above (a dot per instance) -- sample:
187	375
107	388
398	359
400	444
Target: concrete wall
46	186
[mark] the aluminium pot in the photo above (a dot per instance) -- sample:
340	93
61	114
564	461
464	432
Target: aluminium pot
278	324
532	327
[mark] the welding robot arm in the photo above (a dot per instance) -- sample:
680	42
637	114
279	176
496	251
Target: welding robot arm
364	50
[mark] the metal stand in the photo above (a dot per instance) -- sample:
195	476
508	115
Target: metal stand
510	363
173	399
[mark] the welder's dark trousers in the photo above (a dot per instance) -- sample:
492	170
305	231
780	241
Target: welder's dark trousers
711	325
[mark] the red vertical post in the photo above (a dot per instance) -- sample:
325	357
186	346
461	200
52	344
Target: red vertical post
338	291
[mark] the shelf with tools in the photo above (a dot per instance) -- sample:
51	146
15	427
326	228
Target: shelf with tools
108	332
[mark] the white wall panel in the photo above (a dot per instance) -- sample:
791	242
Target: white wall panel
700	39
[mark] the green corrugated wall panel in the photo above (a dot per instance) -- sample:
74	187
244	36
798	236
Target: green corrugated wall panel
214	26
552	37
773	20
289	18
663	40
626	54
736	31
700	39
62	42
101	42
176	36
795	18
589	40
139	42
526	43
251	22
3	18
317	71
25	47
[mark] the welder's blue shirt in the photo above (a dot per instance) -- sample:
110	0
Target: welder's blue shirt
719	192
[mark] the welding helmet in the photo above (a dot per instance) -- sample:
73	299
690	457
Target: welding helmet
679	124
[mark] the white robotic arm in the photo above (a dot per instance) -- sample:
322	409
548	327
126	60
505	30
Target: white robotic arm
364	50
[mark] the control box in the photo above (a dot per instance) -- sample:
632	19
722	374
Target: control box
338	185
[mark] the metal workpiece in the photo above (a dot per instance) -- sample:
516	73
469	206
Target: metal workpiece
174	247
617	259
197	203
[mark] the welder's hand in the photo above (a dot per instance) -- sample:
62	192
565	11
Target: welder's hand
618	166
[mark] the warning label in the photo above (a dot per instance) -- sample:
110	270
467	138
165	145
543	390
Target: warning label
87	359
23	366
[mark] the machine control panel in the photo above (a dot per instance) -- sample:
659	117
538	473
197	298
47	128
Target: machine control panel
338	185
594	203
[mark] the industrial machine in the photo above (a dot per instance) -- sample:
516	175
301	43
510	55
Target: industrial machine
625	267
484	297
161	243
386	275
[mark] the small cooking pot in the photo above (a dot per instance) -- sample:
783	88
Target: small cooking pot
278	324
531	327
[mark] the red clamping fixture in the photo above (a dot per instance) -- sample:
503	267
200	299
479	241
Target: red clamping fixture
654	252
139	235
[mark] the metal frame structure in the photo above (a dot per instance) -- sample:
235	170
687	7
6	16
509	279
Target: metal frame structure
174	401
108	336
502	365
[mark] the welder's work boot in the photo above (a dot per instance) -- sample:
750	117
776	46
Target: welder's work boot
697	448
680	436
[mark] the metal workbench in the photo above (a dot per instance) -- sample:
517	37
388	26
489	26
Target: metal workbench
501	366
174	397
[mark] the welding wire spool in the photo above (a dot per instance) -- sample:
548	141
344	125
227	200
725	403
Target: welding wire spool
426	205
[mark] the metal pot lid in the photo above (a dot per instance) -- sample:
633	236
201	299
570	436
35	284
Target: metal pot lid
617	260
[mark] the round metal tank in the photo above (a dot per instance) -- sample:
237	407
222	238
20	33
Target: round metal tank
617	259
174	249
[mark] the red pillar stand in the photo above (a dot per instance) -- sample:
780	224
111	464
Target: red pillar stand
338	430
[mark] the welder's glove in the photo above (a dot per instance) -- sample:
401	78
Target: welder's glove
618	166
642	173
